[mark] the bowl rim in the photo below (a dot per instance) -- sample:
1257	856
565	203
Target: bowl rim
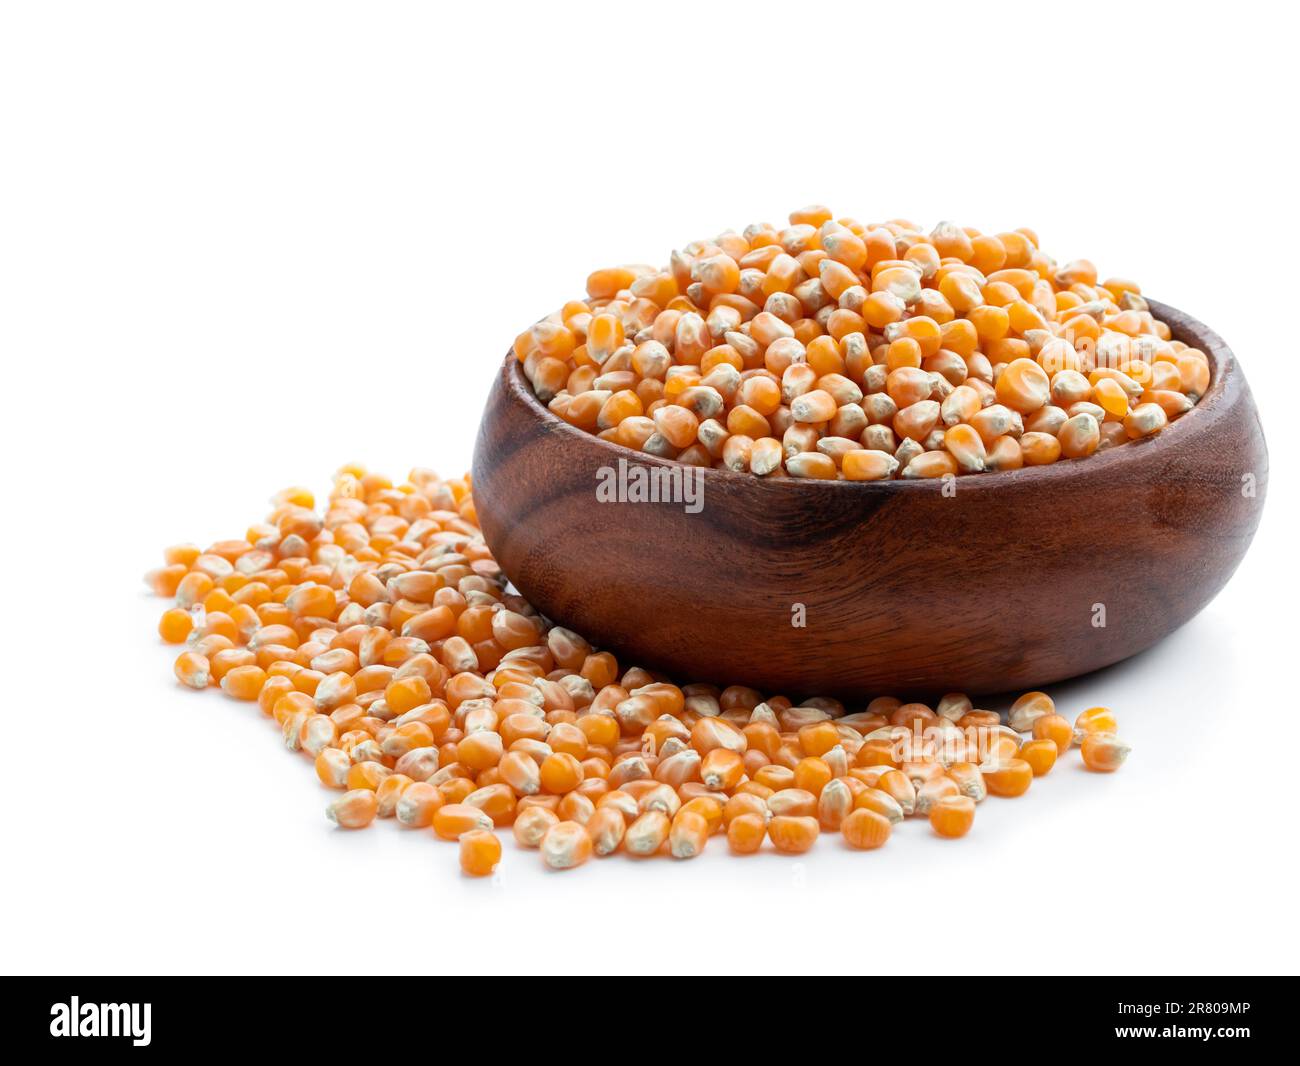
1225	384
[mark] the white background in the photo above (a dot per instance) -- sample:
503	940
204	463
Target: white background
243	243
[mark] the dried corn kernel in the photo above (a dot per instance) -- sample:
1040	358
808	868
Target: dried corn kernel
1103	752
565	845
866	829
452	819
1056	728
1009	778
798	324
531	825
499	719
480	851
353	810
1040	754
175	625
193	669
1094	720
952	816
793	834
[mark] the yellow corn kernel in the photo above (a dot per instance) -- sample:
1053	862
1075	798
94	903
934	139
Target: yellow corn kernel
952	816
565	845
480	851
384	643
452	819
1039	754
793	834
1011	777
193	670
1094	720
353	810
1103	752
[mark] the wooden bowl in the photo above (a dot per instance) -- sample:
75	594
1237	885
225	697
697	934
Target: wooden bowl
1012	580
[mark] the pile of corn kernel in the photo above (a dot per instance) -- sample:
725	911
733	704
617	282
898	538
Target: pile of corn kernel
834	349
382	640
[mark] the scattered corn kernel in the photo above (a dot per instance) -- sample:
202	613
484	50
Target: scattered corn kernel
480	851
193	669
1094	720
866	829
952	816
353	810
1103	752
1056	728
175	625
1040	754
793	834
499	720
566	845
1010	778
745	833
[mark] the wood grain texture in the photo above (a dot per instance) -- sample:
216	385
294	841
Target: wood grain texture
906	591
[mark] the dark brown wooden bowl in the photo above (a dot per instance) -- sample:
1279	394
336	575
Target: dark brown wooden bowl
905	590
